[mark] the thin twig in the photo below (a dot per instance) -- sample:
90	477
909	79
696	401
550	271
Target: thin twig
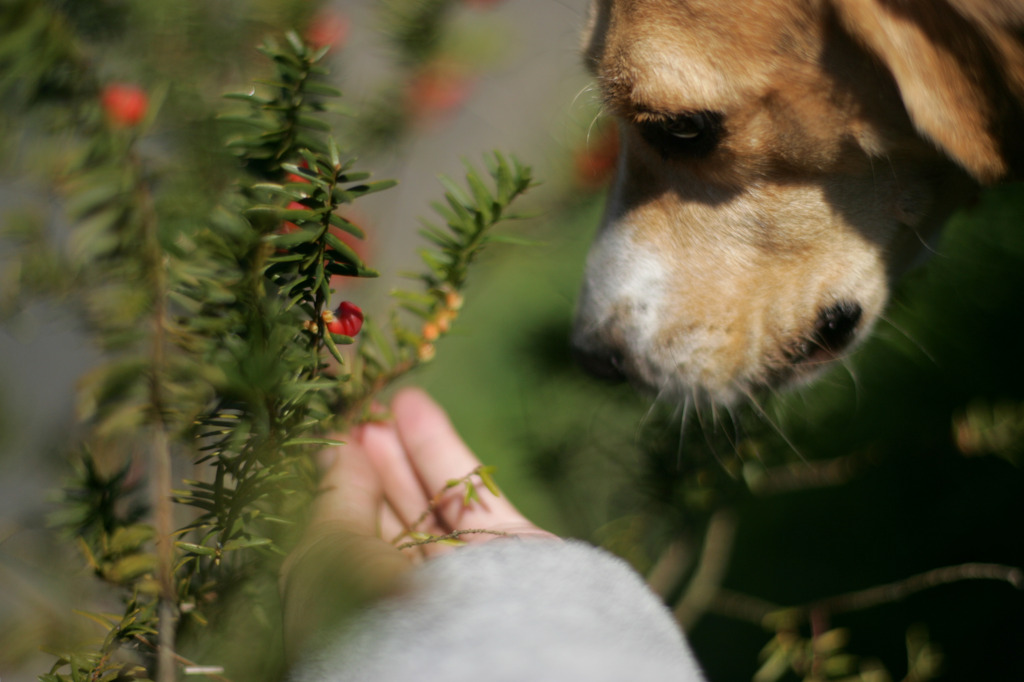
808	475
454	535
743	607
163	505
707	579
766	614
189	666
901	589
434	503
669	569
164	524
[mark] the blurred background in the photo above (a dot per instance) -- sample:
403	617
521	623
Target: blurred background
905	459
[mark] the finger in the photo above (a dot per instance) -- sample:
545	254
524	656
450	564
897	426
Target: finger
351	492
413	546
390	525
438	455
401	487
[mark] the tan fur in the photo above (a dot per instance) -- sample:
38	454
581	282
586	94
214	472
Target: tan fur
851	128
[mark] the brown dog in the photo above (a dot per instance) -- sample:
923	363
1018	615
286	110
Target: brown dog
781	162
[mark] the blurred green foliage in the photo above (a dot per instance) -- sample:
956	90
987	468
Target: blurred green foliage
200	241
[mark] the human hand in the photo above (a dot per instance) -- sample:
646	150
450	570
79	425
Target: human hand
390	478
387	479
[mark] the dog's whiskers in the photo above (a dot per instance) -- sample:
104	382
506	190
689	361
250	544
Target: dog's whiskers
718	423
586	89
593	124
771	422
851	371
589	89
926	244
704	430
734	437
909	337
642	424
685	417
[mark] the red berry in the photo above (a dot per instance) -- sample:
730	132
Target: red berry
288	225
328	29
348	320
295	177
124	104
438	89
595	164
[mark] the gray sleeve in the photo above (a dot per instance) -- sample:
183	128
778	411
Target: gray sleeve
511	610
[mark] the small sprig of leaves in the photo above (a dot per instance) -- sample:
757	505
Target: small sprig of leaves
302	179
984	428
470	494
129	643
32	75
308	253
288	113
469	217
275	396
824	657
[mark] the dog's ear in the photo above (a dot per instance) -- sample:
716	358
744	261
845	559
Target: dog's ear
959	66
595	33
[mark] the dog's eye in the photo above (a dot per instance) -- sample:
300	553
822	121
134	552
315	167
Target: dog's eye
686	127
690	135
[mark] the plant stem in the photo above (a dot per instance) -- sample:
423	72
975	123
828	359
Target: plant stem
153	258
901	589
707	579
165	556
432	506
454	535
759	612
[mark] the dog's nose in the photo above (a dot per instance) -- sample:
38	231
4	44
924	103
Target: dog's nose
834	330
606	364
836	327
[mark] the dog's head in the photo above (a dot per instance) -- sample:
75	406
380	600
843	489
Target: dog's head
780	162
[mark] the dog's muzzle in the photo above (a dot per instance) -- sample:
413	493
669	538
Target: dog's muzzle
603	353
